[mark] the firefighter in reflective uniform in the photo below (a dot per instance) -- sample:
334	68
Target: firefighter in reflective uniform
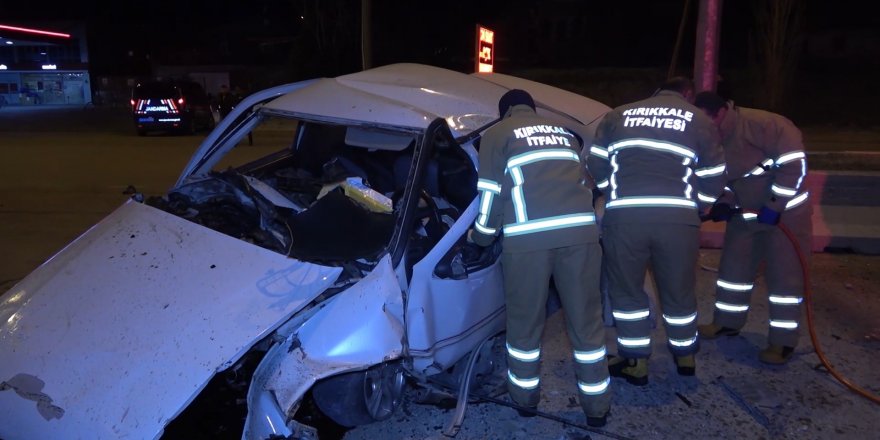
532	195
767	167
659	163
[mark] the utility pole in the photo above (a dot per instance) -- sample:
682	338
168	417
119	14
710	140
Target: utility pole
708	38
366	34
674	63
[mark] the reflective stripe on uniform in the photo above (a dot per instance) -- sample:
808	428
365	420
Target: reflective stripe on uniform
603	184
788	157
688	172
593	389
549	223
760	169
711	171
488	185
528	383
783	191
630	316
739	287
793	203
596	150
683	342
788	325
483	218
797	200
785	300
629	202
727	307
706	199
634	342
590	357
523	355
680	320
519	202
484	230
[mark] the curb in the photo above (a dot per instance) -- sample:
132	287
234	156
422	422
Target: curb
846	213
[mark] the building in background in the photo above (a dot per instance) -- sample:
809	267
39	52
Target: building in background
44	63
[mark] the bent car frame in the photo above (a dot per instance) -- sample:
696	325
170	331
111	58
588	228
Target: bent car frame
319	279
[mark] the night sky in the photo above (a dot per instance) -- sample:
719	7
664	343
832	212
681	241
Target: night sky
634	33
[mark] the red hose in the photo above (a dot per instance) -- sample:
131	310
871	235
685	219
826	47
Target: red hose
808	302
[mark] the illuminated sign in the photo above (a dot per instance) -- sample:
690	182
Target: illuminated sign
49	67
156	108
485	49
34	31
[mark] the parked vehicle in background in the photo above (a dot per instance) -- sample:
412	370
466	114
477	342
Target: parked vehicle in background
176	106
313	283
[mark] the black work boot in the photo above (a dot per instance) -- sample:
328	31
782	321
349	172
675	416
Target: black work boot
635	371
597	422
527	411
776	354
686	365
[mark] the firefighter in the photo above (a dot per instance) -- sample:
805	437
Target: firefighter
659	163
767	167
533	196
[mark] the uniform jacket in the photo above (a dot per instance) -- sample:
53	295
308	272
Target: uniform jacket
657	160
765	157
531	183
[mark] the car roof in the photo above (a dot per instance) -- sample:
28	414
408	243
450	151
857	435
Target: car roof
585	110
405	98
410	96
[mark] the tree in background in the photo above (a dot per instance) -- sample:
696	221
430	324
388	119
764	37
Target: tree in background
776	49
329	43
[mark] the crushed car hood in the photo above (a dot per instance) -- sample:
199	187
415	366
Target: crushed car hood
119	331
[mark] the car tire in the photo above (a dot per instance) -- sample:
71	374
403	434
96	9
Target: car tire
361	397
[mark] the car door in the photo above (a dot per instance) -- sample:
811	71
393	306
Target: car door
450	312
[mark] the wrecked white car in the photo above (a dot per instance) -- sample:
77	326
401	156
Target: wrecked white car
312	284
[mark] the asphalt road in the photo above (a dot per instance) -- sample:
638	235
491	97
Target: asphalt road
62	171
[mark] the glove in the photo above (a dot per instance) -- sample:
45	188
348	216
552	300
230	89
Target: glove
720	212
768	216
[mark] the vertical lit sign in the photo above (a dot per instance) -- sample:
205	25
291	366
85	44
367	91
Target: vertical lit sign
485	49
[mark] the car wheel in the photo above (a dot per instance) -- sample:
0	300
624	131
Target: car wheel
361	397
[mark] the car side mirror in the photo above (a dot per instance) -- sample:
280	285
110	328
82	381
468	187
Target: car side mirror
464	258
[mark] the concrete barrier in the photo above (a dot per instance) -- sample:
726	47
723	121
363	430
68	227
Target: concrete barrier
846	213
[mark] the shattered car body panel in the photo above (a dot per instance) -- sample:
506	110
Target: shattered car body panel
315	281
327	344
120	357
